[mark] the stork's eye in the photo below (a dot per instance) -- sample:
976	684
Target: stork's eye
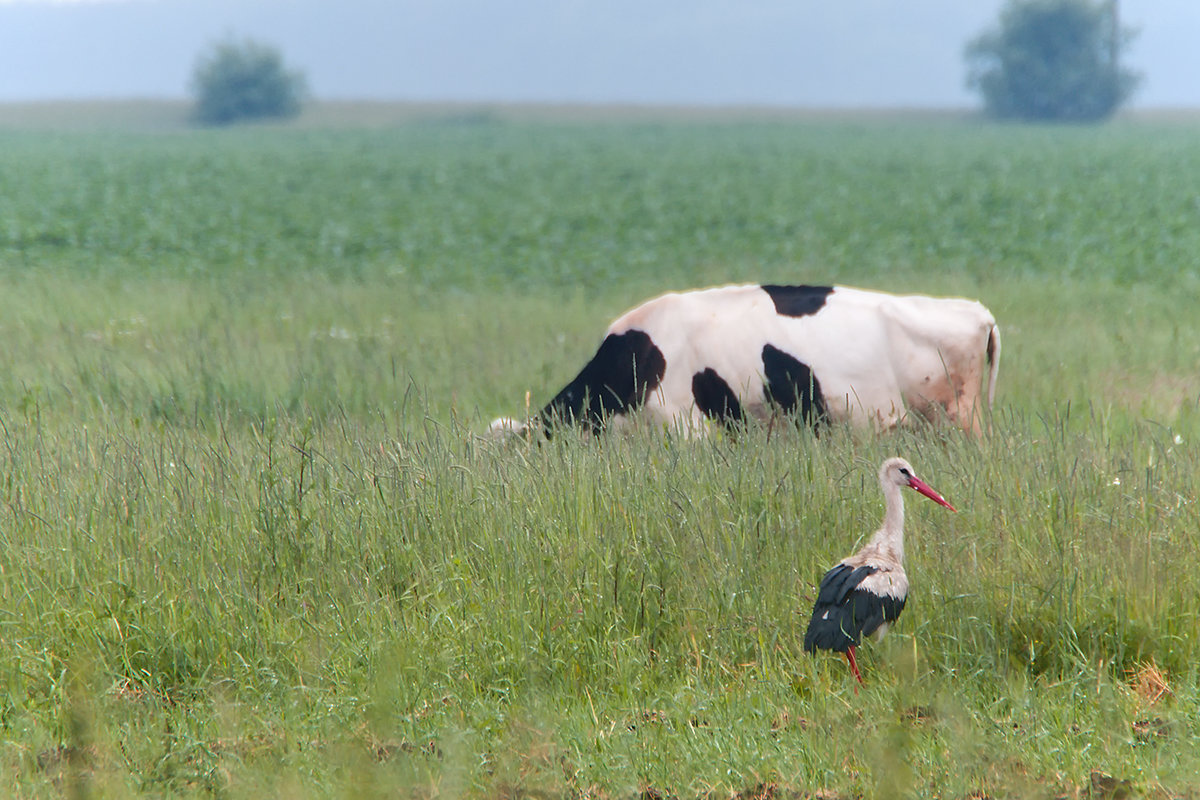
905	472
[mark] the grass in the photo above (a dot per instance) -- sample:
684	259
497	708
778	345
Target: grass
252	544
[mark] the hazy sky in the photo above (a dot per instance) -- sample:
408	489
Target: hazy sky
842	53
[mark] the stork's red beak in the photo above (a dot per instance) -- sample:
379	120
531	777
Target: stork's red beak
924	488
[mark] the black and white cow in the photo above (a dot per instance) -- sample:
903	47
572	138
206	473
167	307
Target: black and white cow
824	353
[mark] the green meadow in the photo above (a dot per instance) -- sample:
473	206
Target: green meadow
253	542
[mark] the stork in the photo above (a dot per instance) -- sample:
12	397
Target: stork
865	592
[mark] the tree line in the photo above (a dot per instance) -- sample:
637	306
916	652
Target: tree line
1049	60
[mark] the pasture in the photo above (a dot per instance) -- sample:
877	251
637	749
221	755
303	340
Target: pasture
251	543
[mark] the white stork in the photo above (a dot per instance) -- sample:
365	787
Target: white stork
865	592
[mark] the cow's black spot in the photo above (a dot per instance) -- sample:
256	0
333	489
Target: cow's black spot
714	398
798	301
791	385
626	368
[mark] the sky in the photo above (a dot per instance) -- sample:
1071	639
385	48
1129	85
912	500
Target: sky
790	53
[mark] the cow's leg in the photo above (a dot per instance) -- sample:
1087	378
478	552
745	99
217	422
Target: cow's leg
792	386
714	399
968	410
955	399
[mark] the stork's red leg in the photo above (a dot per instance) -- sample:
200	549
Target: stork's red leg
853	665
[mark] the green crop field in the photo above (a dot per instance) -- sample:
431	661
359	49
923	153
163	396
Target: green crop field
253	543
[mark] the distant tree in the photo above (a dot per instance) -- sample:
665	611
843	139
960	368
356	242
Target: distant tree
244	80
1052	60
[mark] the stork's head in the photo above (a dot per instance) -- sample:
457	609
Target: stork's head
898	472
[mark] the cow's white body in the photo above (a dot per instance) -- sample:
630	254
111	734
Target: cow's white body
878	358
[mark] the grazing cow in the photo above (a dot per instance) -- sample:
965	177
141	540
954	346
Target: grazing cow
824	353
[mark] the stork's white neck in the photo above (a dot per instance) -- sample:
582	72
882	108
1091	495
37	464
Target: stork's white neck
890	538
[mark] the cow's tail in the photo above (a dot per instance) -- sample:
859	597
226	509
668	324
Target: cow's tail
993	357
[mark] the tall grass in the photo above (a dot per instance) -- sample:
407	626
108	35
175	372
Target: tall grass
640	600
251	541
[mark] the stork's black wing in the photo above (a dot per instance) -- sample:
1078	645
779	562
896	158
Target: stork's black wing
847	609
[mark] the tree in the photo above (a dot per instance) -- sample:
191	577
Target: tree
1053	60
244	80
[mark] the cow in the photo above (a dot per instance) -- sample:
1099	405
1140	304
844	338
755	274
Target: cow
823	354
